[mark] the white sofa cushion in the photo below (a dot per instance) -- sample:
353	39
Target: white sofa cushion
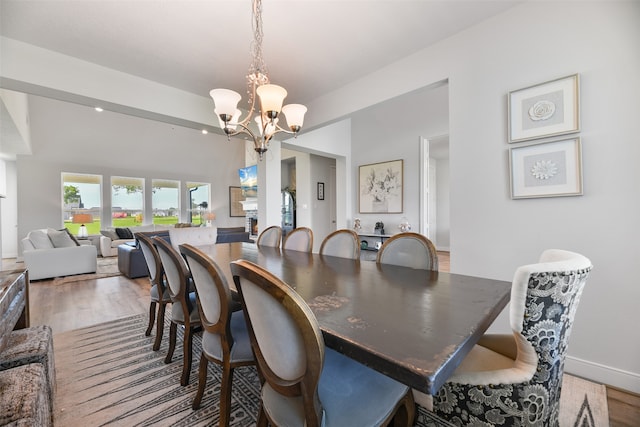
60	238
40	240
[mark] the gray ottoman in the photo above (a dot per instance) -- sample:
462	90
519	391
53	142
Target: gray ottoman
24	396
31	345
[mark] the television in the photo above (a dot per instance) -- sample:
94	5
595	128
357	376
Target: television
249	181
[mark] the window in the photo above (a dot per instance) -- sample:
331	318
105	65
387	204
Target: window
165	201
81	202
127	201
198	198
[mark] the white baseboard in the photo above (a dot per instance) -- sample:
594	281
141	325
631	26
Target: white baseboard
603	374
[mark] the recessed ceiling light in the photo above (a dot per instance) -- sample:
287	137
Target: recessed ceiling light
204	131
99	109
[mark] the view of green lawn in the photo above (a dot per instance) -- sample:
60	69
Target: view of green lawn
129	221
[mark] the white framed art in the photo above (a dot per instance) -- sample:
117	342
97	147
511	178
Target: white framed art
547	169
544	110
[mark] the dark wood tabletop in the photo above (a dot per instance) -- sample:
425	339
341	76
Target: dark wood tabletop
413	325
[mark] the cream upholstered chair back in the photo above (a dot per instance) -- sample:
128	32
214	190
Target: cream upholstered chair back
299	239
174	267
151	257
409	250
278	318
270	236
341	243
524	370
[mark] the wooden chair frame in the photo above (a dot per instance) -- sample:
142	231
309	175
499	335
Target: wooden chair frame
220	327
267	231
156	280
353	234
295	232
181	298
388	244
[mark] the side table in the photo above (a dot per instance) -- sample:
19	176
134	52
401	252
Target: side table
92	239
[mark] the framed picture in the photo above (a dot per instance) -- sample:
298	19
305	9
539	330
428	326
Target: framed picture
544	110
235	197
548	169
380	187
321	191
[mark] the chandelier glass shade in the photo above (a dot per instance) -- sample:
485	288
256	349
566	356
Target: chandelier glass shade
265	100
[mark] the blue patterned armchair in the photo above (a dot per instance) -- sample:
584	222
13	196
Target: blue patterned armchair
515	380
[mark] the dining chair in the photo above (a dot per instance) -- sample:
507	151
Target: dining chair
270	236
515	379
342	243
308	384
409	250
159	290
225	339
184	310
299	239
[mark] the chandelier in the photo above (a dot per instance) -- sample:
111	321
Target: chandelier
269	96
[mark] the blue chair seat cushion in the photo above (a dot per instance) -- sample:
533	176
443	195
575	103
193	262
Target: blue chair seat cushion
154	293
241	350
351	395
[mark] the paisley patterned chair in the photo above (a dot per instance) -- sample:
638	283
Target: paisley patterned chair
515	380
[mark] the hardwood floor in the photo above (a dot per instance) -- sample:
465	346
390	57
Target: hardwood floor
74	305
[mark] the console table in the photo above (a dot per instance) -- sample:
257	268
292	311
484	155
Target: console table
14	303
370	252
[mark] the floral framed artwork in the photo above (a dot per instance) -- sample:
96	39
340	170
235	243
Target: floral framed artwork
235	197
544	110
380	187
548	169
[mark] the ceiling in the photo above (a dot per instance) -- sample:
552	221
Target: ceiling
311	47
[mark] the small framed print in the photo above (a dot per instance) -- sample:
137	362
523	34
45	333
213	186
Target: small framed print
321	191
548	169
544	110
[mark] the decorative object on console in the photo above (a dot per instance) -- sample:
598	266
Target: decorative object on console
404	224
379	228
543	110
271	99
356	225
548	169
380	187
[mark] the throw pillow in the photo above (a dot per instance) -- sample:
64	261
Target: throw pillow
66	230
40	240
110	234
124	233
60	239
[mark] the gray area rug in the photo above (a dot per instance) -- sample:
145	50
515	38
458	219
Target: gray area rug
108	375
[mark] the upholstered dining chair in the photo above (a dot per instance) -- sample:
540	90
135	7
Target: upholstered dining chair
343	243
225	339
299	239
409	250
159	290
516	379
270	236
308	384
184	310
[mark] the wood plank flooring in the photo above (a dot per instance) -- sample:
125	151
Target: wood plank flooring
78	304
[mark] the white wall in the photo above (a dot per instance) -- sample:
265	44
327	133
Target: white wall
73	138
490	233
9	214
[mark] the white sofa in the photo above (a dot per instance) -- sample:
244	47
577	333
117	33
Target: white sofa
109	240
47	253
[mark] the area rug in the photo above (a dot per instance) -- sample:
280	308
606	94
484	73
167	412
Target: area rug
107	267
583	403
108	375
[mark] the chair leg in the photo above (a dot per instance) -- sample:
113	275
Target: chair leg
173	332
152	318
225	395
187	350
160	326
202	381
406	412
262	418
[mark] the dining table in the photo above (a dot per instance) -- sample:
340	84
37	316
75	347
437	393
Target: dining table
413	325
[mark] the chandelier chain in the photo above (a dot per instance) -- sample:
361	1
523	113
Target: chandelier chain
258	74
